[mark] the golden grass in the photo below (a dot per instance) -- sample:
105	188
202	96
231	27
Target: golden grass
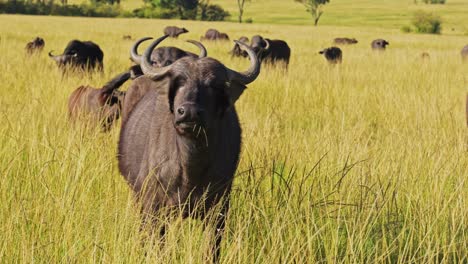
360	163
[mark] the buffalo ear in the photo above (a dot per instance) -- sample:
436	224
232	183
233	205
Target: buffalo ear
321	52
234	90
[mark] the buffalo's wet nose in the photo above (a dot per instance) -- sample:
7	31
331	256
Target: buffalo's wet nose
188	113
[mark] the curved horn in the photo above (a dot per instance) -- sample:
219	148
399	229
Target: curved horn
134	50
267	47
203	52
146	64
252	73
57	58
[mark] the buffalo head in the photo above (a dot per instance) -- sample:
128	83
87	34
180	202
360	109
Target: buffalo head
199	90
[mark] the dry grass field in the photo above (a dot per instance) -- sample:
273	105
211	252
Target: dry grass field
365	162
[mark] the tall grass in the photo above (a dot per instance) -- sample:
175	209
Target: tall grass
363	162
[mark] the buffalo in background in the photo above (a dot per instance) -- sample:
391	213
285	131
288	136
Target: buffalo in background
237	51
271	51
35	46
379	44
174	32
333	55
345	41
98	105
213	34
82	55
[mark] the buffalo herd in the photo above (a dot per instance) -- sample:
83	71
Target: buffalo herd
180	135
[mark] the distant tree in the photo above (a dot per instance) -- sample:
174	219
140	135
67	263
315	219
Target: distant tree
314	7
240	4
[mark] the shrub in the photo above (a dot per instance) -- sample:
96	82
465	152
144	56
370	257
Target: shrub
213	13
406	29
249	20
434	1
425	22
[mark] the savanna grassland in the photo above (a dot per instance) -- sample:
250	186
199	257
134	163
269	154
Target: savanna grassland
365	162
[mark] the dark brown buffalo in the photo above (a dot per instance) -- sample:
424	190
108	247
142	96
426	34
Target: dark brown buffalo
35	46
379	44
82	55
160	57
271	51
425	56
98	105
174	32
127	37
180	146
213	34
333	55
345	41
464	53
237	51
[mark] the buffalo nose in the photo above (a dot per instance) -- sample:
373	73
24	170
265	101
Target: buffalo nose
188	113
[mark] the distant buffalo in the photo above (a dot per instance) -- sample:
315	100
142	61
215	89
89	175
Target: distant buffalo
127	37
180	146
99	105
271	51
379	44
333	55
160	57
425	56
464	53
83	55
345	41
213	34
35	46
174	32
237	51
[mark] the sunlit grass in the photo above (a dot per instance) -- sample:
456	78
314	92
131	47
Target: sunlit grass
363	162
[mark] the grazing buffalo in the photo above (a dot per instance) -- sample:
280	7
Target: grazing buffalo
345	41
425	56
180	146
271	51
83	55
35	46
174	32
160	57
102	105
127	37
237	51
464	53
213	34
379	44
333	55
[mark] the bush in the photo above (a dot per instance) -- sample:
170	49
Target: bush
213	13
425	22
406	29
434	1
249	20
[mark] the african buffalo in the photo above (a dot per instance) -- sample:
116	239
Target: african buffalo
213	34
174	32
237	51
83	55
271	51
379	44
464	53
160	57
127	37
101	105
180	146
35	46
345	41
333	55
425	56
